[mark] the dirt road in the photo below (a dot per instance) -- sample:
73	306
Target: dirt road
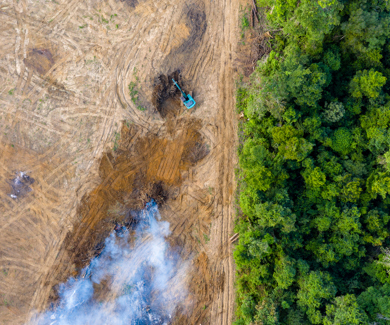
76	82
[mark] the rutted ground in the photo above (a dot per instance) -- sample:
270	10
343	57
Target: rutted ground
65	71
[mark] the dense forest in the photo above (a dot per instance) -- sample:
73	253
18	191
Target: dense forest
314	174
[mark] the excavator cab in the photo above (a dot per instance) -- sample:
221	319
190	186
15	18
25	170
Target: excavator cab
187	100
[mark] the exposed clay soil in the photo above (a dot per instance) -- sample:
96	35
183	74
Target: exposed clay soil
92	128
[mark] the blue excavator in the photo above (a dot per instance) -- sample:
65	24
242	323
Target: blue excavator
187	100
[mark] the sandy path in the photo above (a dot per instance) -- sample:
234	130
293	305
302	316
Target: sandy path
65	68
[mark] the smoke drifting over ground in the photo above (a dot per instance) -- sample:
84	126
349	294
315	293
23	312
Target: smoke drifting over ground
144	280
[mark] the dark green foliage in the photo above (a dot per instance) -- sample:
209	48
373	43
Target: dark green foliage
315	165
345	310
376	303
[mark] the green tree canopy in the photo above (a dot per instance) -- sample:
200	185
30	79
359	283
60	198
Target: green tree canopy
314	176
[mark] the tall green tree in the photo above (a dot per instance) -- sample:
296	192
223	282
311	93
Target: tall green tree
315	167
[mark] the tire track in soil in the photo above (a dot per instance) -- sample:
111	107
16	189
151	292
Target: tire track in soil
58	141
223	306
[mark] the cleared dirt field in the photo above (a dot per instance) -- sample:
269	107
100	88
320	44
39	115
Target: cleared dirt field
80	82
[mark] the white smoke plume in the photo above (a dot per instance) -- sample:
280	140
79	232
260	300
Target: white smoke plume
145	280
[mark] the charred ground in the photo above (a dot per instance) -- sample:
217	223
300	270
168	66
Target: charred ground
69	122
144	166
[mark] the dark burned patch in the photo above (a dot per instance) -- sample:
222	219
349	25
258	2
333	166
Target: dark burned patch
39	60
195	148
99	247
195	18
196	152
166	96
159	193
131	3
20	185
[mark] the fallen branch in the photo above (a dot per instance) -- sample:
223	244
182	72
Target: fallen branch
254	14
234	237
254	6
252	19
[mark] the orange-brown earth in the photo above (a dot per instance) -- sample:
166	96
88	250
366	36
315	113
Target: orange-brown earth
78	116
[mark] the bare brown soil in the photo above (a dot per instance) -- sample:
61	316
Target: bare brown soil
91	149
143	167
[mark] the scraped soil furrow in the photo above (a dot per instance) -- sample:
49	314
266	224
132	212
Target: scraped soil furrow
88	110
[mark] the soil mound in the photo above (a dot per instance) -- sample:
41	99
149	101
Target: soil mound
40	60
165	92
